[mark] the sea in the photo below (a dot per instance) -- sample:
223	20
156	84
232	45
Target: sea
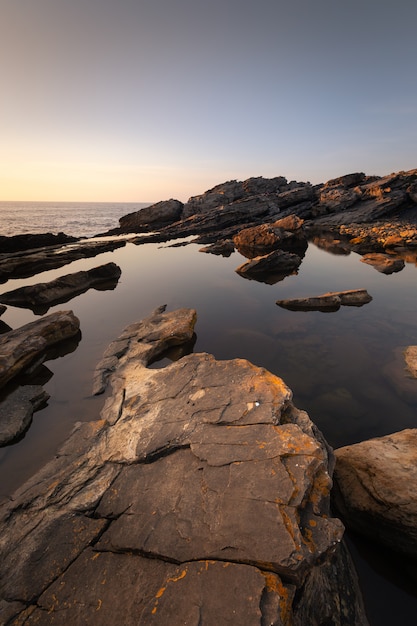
78	219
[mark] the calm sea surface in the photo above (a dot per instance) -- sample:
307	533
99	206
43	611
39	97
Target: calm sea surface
345	368
79	219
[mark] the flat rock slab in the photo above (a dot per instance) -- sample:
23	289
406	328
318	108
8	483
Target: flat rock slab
19	348
331	301
201	496
270	268
384	263
376	487
42	296
31	262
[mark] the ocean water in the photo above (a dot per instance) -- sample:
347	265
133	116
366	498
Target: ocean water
79	219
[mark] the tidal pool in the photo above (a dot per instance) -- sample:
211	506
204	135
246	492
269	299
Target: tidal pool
345	368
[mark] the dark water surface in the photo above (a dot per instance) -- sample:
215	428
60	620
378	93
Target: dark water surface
345	368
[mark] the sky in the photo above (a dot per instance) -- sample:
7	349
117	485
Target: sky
145	100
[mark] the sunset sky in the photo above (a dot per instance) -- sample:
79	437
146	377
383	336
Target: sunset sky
144	100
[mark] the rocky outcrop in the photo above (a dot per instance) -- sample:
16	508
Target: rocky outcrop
383	262
331	301
23	265
21	347
286	234
270	268
30	241
42	296
154	216
376	484
202	495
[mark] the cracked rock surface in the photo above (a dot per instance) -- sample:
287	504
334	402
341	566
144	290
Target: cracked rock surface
201	496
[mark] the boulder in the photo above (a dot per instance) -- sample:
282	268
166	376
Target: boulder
376	483
23	264
285	234
152	217
270	268
223	248
383	263
21	347
42	296
200	496
16	411
331	301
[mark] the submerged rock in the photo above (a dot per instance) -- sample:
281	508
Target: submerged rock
202	495
42	296
376	484
331	301
383	262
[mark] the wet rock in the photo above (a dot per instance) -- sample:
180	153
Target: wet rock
383	263
331	301
223	248
30	241
201	495
376	485
270	268
21	347
42	296
155	216
16	411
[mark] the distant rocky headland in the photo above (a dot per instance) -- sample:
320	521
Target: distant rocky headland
201	494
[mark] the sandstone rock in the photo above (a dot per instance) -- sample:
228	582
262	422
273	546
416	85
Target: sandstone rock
285	234
23	264
270	268
16	411
383	263
202	495
21	347
159	214
42	296
376	486
331	301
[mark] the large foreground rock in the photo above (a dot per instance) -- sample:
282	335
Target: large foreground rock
21	347
42	296
200	497
376	489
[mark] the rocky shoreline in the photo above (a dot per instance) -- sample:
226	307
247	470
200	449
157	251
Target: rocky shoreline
202	480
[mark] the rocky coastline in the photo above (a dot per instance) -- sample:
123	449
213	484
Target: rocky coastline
202	494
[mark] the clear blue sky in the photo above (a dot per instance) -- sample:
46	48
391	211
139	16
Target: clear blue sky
143	100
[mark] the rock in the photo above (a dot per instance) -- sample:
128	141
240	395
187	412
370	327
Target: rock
202	495
151	217
42	296
21	347
30	241
384	263
270	268
223	248
259	240
3	308
23	264
16	411
376	486
331	301
410	355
